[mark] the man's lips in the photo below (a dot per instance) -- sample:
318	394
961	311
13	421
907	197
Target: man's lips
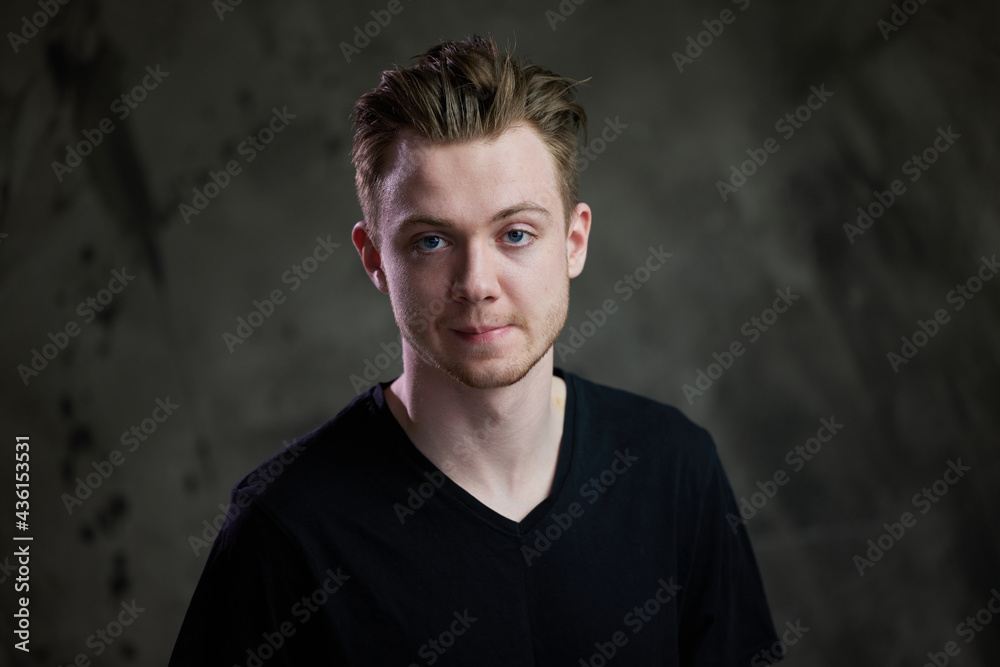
480	329
482	334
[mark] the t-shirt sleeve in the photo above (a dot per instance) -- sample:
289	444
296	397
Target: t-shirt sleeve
725	618
247	607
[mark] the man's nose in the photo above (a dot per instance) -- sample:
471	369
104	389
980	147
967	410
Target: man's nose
476	273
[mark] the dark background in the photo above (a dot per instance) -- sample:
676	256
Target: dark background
654	184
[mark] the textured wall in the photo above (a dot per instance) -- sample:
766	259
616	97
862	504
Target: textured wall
673	129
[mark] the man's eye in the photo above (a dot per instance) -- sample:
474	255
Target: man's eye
429	242
516	236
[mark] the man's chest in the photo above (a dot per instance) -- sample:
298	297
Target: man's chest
451	592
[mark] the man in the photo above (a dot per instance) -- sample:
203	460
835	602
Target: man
484	508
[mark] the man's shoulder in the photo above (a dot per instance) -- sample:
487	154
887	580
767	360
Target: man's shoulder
627	416
616	404
332	450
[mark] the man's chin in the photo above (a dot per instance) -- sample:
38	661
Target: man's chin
493	374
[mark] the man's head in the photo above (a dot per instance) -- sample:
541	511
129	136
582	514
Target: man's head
458	92
466	172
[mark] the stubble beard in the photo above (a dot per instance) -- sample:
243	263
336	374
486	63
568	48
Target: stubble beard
480	368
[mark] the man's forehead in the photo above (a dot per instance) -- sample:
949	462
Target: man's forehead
516	160
411	150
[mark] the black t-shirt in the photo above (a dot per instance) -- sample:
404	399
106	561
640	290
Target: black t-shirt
352	548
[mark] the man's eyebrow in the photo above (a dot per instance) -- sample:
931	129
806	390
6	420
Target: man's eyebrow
526	206
522	207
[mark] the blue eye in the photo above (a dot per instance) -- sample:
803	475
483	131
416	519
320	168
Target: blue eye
436	241
516	235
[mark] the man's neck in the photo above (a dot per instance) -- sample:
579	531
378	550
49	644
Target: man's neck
500	445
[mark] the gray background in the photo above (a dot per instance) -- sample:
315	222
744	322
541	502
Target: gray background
654	184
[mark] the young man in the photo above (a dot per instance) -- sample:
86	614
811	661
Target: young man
484	508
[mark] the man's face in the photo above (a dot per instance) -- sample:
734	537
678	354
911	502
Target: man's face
475	253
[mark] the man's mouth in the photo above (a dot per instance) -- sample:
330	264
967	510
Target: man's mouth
479	329
483	333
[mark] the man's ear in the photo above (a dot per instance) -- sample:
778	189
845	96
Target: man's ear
370	257
576	239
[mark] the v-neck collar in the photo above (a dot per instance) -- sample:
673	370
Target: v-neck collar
396	434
